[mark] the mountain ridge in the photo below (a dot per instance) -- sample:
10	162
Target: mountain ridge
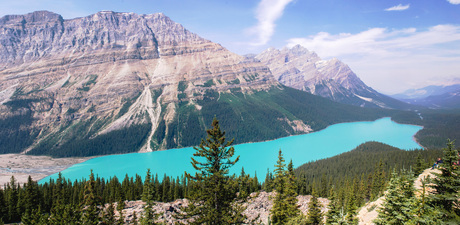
301	69
122	82
433	96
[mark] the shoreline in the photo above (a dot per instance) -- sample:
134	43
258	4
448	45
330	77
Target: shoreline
38	167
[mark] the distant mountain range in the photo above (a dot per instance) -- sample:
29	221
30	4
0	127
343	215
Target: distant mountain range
301	69
438	97
122	82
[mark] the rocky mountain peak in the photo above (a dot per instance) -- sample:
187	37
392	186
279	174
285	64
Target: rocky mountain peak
30	37
297	50
34	17
297	53
299	68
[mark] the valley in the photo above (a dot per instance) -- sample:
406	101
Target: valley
300	149
116	95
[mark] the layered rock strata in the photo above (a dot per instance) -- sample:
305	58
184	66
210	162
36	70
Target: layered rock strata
115	68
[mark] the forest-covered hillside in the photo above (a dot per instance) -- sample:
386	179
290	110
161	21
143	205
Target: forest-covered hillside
355	177
259	116
438	125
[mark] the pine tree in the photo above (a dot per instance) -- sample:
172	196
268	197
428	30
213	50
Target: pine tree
32	195
378	181
298	220
302	183
333	213
3	208
138	187
12	202
120	207
352	205
177	189
285	202
57	215
255	186
244	187
109	215
268	183
148	196
213	203
419	165
58	191
314	215
278	213
158	189
422	212
89	208
446	186
291	192
323	190
34	217
397	205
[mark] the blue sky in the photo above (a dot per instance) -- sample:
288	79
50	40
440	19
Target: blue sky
391	45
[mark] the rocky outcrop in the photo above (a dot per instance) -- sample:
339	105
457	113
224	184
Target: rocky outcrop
257	206
301	69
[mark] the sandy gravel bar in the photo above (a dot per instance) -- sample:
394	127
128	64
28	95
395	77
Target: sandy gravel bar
38	167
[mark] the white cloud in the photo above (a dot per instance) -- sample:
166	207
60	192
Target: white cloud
401	7
267	12
393	60
455	2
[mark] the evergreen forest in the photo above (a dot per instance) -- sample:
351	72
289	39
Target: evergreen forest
348	180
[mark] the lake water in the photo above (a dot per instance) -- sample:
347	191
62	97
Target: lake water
254	157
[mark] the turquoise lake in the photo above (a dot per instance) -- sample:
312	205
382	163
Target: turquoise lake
254	157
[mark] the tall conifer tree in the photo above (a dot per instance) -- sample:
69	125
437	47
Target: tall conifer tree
3	208
333	214
32	195
314	215
90	209
285	202
213	203
148	194
109	215
447	186
12	192
120	207
397	205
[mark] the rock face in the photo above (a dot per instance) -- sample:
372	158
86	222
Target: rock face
109	71
304	70
257	210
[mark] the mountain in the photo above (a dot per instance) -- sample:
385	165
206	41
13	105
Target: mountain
435	97
301	69
447	100
122	82
427	91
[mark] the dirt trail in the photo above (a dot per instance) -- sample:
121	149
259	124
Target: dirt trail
368	212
